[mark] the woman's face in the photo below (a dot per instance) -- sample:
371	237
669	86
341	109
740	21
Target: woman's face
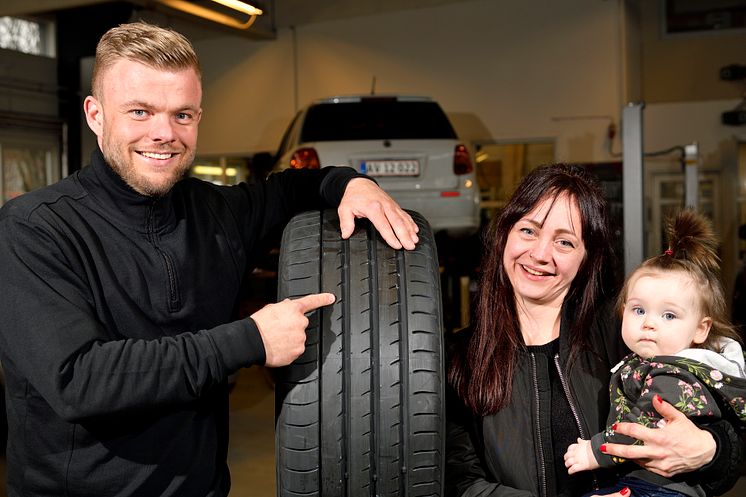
544	251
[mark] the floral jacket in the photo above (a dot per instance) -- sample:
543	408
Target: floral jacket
699	389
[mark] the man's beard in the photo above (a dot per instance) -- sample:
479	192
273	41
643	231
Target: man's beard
118	158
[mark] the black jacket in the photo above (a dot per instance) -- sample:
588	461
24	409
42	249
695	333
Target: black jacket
506	454
117	329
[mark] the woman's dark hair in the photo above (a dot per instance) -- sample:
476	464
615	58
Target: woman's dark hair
482	373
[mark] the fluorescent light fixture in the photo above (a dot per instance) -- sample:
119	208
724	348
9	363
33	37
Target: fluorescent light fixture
213	170
481	157
211	15
241	7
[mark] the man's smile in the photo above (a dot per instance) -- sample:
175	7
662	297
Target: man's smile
156	155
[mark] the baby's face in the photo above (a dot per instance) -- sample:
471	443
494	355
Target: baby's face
662	314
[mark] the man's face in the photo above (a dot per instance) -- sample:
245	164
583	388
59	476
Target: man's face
146	122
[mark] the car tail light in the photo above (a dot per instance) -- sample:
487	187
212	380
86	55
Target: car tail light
305	158
461	160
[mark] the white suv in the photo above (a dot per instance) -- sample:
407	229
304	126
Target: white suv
406	143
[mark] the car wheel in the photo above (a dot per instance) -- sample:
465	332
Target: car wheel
361	412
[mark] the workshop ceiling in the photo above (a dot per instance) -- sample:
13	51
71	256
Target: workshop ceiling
277	13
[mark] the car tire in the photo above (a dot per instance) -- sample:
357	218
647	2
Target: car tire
361	412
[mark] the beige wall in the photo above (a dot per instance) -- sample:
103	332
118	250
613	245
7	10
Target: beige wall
686	67
503	70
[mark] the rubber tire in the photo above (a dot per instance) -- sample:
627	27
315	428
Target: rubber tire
362	411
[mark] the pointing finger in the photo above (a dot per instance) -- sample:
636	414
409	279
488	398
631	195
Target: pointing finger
314	301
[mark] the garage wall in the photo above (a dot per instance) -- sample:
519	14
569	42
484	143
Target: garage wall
504	70
686	66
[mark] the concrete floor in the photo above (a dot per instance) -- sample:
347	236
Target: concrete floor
251	454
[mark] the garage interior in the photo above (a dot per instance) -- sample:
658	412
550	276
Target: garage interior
525	82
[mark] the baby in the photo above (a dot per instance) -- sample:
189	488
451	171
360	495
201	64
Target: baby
684	351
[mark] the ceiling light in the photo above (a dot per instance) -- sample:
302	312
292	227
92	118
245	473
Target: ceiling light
241	7
215	16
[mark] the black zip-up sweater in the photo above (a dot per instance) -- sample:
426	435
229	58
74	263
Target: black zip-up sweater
117	332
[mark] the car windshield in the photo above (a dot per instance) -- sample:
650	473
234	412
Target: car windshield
376	119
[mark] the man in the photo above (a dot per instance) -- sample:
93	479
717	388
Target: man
120	282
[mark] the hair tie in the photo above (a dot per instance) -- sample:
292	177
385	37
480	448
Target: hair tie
668	252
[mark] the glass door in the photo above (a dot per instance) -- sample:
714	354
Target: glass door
668	199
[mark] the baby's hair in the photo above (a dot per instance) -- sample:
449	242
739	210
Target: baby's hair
692	250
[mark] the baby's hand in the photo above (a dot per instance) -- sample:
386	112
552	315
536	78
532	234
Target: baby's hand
579	457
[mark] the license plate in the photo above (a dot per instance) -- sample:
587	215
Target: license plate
410	167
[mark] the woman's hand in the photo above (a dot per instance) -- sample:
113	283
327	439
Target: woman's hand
622	493
678	446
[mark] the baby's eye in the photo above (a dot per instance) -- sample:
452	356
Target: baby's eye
639	311
668	316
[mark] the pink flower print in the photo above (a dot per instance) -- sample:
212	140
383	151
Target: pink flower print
686	389
716	375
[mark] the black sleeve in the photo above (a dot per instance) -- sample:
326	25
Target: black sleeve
264	208
721	474
52	337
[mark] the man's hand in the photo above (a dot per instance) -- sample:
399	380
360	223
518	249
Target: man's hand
364	198
283	327
579	457
677	447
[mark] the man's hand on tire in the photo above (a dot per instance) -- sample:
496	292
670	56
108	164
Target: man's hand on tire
364	198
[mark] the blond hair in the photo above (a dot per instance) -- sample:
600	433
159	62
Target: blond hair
153	46
692	250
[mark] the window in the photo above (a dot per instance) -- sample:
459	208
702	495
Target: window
220	170
376	119
27	162
27	36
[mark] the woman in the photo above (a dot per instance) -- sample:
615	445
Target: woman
532	375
